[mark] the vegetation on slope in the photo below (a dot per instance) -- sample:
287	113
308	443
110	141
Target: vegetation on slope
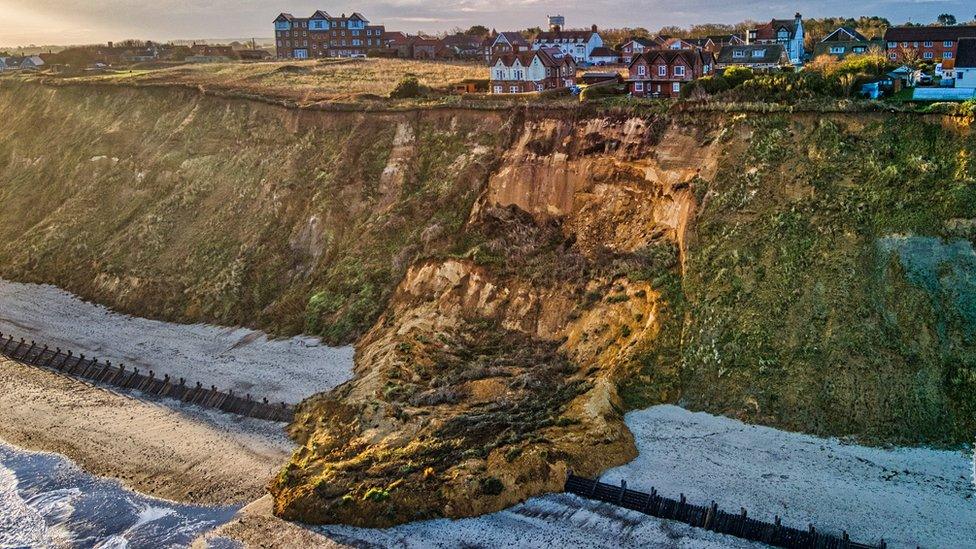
174	205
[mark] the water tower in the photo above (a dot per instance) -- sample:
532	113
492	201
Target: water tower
556	23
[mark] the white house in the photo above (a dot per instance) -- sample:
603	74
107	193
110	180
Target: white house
576	43
965	71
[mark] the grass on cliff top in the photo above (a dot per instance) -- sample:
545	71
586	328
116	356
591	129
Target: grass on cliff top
314	80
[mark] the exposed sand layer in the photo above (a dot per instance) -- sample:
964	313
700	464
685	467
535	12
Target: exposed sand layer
243	360
908	496
162	448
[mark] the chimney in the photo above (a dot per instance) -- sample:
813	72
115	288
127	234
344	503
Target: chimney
798	16
109	45
593	28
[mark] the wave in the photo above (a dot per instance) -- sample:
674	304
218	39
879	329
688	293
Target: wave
48	501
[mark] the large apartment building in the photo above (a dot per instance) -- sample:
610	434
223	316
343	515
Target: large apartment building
323	35
936	44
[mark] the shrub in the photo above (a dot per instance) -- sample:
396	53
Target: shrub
407	88
708	85
735	76
491	486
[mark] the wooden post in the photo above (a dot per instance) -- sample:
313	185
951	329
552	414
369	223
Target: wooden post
50	361
164	390
71	369
84	371
27	357
623	490
710	516
115	376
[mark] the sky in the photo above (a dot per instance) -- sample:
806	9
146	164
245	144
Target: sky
63	22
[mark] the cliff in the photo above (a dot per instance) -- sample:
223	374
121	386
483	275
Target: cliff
516	280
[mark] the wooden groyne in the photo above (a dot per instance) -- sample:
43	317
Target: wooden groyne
105	373
711	517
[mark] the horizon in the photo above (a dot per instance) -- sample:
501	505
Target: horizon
40	23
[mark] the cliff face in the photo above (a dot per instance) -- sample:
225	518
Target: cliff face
175	205
516	281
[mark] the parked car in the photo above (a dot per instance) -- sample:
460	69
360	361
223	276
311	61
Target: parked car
925	79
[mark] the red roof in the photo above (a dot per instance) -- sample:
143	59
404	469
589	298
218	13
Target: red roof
934	34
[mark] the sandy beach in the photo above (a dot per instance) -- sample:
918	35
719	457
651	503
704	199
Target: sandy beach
246	361
161	448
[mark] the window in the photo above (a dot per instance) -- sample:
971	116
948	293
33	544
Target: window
859	49
947	44
959	76
641	70
498	89
679	70
947	55
758	53
662	70
904	44
928	55
513	89
892	45
738	53
638	86
927	43
893	56
837	50
539	87
676	87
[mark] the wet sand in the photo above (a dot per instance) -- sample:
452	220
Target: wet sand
161	448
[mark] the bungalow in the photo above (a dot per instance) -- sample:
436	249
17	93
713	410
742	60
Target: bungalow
845	41
663	72
532	71
576	43
785	32
604	56
911	44
757	57
32	62
965	69
506	43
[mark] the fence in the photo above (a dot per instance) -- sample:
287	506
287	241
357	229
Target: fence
118	376
711	517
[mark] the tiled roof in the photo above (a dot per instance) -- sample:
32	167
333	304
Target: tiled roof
689	56
919	34
965	54
772	53
845	34
603	52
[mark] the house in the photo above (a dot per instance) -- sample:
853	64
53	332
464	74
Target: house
912	44
788	33
28	63
577	43
636	46
713	44
756	57
506	43
965	69
322	35
845	41
532	71
604	56
663	72
462	46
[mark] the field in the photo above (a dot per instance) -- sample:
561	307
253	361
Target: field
322	80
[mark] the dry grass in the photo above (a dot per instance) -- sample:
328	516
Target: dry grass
321	80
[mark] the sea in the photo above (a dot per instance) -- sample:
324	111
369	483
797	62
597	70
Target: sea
46	500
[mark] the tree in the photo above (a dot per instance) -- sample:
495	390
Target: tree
947	19
477	30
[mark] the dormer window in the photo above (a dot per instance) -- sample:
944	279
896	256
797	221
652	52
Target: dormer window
738	53
758	53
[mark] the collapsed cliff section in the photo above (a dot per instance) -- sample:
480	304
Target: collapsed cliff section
174	205
495	371
518	280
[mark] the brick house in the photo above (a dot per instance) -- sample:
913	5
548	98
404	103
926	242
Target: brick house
909	44
505	43
788	33
636	46
322	35
532	71
663	72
